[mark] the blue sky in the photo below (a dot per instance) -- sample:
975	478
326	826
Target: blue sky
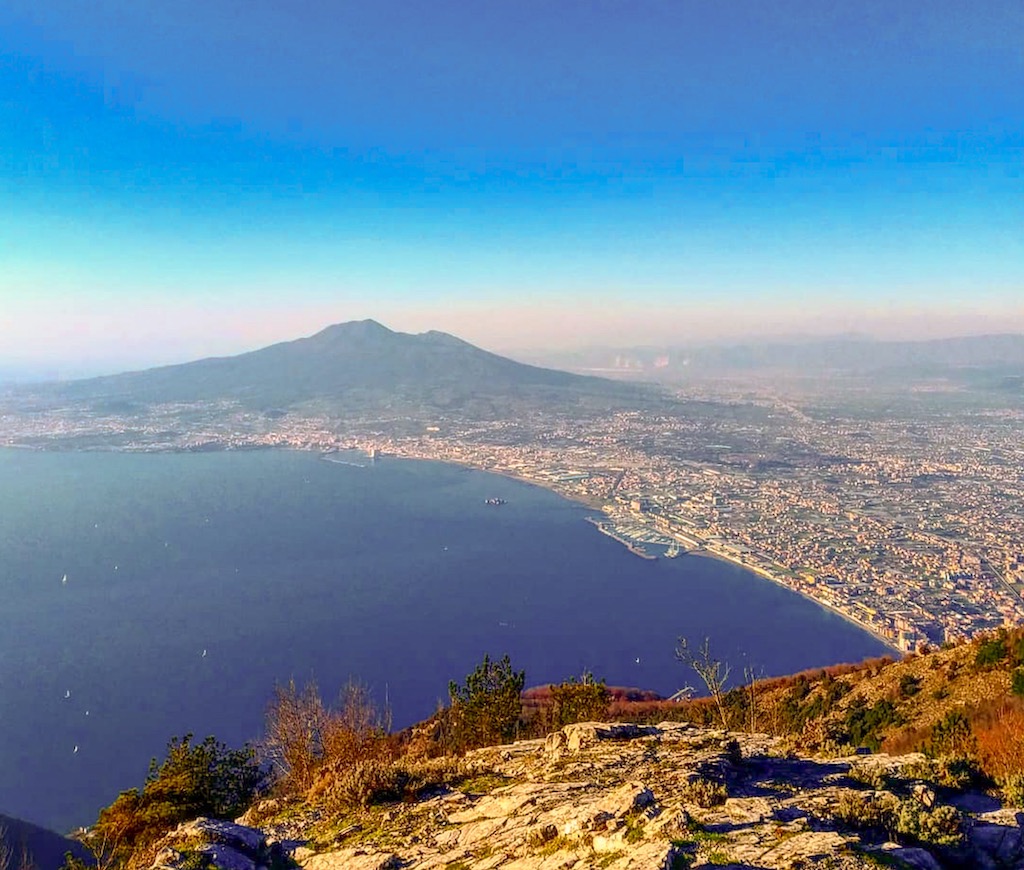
203	177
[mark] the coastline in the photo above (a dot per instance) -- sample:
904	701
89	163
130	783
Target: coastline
709	554
702	551
593	504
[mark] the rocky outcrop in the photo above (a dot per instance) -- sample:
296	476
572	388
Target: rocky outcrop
626	796
209	843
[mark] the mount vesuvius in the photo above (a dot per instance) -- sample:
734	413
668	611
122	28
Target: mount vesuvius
361	366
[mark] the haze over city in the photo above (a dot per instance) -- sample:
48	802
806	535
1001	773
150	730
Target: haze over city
206	178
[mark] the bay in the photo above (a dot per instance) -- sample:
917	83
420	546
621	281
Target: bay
195	582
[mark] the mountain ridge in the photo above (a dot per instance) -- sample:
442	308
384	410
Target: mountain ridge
355	366
967	358
26	846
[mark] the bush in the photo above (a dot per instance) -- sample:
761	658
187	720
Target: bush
578	701
1017	682
865	812
951	737
705	793
909	686
866	724
365	782
204	779
941	826
991	651
908	820
926	770
873	777
959	772
1012	786
303	735
486	708
377	780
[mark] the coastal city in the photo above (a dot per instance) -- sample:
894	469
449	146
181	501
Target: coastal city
911	528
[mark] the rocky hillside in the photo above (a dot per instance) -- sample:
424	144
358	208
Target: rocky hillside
794	777
629	796
965	701
24	846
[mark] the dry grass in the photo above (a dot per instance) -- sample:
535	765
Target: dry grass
304	736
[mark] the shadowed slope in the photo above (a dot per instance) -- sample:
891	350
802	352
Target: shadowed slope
24	845
350	366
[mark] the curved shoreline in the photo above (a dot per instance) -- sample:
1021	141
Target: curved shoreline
702	551
760	572
592	504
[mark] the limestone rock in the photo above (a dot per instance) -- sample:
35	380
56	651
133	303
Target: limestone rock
222	845
629	797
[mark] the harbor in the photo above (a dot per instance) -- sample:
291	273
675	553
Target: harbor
637	538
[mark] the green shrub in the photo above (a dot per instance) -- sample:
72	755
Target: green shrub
926	770
951	737
1017	682
959	772
908	820
873	777
991	651
1012	787
940	826
866	724
909	686
865	812
578	701
204	779
486	708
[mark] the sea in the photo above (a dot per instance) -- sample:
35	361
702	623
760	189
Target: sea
144	596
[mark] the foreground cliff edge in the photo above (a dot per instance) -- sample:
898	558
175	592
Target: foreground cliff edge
630	796
592	790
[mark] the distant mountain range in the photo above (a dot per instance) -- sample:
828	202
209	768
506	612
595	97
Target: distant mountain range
357	367
990	360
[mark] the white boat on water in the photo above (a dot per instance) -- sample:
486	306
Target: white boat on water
64	580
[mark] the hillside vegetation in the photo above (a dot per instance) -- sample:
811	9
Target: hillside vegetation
961	709
963	702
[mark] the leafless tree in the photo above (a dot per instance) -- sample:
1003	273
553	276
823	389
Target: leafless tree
303	735
295	728
713	672
750	678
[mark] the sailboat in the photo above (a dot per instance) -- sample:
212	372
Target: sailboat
64	580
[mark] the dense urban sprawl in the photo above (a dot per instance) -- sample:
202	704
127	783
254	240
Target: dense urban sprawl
911	526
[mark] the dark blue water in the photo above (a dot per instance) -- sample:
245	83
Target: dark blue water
282	565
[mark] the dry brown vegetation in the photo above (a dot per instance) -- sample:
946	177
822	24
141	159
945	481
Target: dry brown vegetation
305	738
963	706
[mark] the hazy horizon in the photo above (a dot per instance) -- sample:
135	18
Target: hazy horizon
14	370
184	181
